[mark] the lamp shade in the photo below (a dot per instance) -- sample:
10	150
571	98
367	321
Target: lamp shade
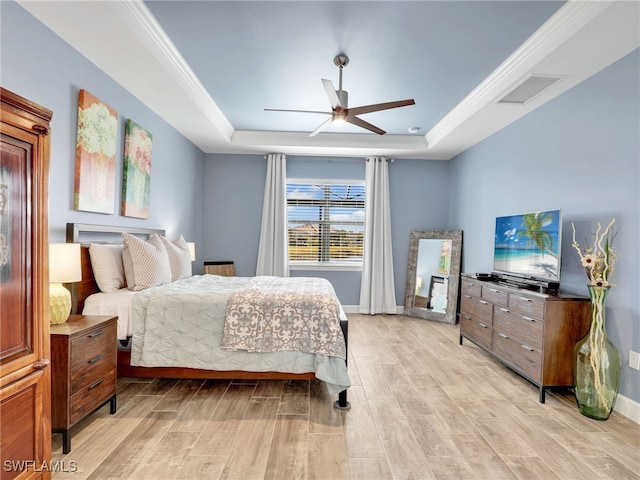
64	263
192	250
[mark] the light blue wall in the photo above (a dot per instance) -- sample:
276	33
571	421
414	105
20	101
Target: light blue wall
581	153
38	65
233	209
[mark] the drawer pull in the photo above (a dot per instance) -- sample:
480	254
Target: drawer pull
527	347
483	325
97	358
505	310
494	290
528	319
97	333
503	335
96	383
468	296
525	299
483	302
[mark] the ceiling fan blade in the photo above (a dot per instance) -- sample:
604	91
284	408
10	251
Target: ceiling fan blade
324	125
331	93
361	123
296	111
381	106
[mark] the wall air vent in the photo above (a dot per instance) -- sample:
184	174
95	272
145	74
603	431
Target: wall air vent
529	89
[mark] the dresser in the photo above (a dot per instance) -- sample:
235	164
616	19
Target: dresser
84	370
532	333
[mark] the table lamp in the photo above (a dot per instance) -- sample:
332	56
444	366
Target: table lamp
192	250
64	267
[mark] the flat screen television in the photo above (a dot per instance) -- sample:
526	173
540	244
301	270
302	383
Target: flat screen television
527	245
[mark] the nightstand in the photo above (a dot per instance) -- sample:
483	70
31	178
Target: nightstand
83	370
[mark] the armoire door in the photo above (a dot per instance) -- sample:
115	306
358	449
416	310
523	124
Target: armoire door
25	426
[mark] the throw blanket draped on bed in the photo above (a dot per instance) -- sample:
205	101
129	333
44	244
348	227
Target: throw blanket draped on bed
274	314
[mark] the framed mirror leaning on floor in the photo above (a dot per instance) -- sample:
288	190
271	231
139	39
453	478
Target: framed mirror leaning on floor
433	275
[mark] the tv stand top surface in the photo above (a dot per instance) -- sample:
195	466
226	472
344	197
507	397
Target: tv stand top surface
539	286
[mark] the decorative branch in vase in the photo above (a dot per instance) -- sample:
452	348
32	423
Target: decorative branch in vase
597	363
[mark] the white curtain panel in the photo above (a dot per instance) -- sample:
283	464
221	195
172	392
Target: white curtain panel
273	250
377	291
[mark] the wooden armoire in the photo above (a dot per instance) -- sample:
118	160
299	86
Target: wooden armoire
25	411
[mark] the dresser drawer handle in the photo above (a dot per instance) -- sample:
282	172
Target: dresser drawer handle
97	358
97	333
527	347
503	335
468	296
505	310
494	290
483	302
96	383
528	319
525	299
466	316
483	325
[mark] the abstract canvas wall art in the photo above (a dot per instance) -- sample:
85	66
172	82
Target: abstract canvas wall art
136	177
96	145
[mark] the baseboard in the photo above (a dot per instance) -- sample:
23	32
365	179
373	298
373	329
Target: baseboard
627	407
356	308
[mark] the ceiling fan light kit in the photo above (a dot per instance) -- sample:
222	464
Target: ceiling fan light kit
339	100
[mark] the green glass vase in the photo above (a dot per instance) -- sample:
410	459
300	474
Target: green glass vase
597	363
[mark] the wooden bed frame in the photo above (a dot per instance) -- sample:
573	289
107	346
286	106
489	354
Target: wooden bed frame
88	286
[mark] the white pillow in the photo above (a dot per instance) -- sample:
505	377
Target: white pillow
108	270
128	268
179	257
149	262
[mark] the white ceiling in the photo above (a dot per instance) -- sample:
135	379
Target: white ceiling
210	68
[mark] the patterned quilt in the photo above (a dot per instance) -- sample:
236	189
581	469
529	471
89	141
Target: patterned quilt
285	314
181	324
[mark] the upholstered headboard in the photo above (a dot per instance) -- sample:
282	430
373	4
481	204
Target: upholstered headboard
85	234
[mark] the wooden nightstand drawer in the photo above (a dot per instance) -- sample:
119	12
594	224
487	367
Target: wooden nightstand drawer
86	373
87	346
92	396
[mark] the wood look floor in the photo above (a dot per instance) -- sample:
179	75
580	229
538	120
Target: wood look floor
423	407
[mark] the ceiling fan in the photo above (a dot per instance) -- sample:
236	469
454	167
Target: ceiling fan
339	100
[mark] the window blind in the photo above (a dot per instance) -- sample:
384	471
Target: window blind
325	221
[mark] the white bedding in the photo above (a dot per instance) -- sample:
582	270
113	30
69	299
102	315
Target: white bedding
118	303
185	330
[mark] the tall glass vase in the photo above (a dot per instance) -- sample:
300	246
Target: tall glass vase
597	363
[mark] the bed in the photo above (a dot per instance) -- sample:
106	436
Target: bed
154	342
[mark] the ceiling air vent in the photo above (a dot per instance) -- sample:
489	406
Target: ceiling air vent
530	88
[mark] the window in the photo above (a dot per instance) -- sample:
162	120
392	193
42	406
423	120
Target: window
325	222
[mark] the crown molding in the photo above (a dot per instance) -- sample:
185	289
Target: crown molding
567	21
146	27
